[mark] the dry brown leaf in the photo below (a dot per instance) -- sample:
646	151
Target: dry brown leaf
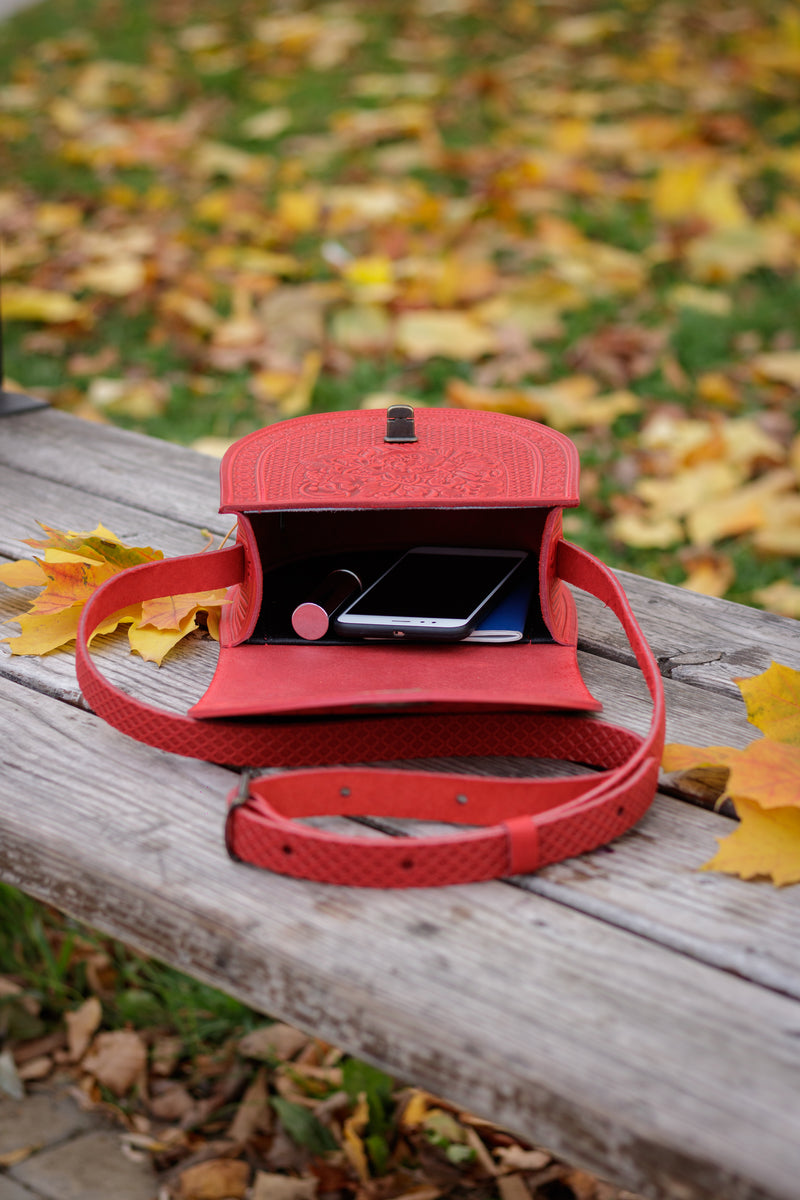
171	1102
278	1041
82	1024
117	1060
517	1158
35	1068
216	1179
164	1054
254	1114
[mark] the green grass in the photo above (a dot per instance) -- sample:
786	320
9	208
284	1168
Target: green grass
50	956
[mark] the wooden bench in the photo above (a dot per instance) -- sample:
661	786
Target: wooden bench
629	1012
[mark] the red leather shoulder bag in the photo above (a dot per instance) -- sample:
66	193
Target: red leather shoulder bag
352	491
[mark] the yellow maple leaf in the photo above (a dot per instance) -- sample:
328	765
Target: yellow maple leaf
74	565
154	644
24	573
763	780
773	702
766	844
43	632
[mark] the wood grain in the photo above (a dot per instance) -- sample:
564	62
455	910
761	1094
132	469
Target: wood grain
592	1039
629	1011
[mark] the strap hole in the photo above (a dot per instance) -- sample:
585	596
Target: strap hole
407	864
287	849
621	811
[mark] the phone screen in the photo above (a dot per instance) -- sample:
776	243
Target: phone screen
433	586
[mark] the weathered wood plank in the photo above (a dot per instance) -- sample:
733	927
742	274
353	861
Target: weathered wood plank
598	1043
698	640
150	475
24	501
648	882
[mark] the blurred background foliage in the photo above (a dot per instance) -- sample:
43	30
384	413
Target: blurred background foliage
218	215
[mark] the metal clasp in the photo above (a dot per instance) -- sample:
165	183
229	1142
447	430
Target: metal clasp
400	424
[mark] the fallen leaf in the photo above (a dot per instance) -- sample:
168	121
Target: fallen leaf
215	1179
746	509
681	493
781	597
423	335
781	534
153	645
646	530
268	124
173	1103
131	397
117	1059
698	189
517	1158
165	1053
354	1127
169	612
72	567
43	633
765	845
773	702
35	1068
768	771
707	300
120	277
82	1024
254	1114
710	574
565	404
781	366
39	304
23	573
270	1042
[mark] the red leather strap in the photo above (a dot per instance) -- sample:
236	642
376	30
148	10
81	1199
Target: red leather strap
521	823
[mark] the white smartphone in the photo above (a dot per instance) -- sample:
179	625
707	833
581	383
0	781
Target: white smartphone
436	592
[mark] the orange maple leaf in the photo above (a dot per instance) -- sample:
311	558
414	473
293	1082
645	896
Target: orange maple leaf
69	583
169	612
767	772
763	780
72	568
